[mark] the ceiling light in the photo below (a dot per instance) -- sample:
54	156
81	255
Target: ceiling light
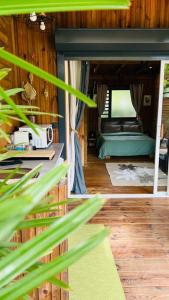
37	21
42	25
33	17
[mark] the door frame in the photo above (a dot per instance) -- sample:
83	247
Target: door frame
159	119
156	161
110	44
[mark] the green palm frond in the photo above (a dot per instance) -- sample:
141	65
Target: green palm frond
44	75
43	273
23	7
20	201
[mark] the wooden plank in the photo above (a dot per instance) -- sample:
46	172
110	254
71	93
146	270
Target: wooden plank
144	279
140	250
147	293
143	264
46	153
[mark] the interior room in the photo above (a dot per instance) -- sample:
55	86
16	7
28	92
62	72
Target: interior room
117	80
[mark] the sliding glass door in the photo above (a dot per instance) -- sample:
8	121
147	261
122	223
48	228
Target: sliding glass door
160	186
161	180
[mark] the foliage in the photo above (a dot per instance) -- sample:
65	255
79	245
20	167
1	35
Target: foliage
44	75
20	200
22	6
166	76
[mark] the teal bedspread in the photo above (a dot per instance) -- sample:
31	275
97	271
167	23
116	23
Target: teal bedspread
125	144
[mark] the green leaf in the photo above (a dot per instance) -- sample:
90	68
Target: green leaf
8	244
54	206
43	273
46	76
12	7
9	171
17	110
26	297
17	208
32	194
4	251
9	155
11	174
43	185
59	283
37	222
4	135
28	253
5	106
55	281
20	182
12	92
4	72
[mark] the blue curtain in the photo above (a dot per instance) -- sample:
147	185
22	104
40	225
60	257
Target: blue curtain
79	186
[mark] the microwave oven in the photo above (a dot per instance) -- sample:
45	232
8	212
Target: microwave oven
44	138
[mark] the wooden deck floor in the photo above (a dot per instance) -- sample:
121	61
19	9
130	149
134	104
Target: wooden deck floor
139	236
98	180
139	239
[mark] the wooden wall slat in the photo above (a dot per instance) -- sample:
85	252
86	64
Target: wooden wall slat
7	41
47	291
38	48
142	14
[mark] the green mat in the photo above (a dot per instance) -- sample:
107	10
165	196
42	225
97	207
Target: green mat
94	277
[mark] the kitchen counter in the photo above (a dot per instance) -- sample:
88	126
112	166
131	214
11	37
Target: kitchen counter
47	164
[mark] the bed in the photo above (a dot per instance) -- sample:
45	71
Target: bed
125	144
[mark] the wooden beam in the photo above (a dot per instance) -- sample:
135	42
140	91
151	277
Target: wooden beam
141	68
114	62
120	68
116	77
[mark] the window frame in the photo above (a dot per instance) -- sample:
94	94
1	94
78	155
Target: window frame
110	106
119	118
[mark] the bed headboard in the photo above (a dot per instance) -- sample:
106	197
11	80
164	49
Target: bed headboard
110	126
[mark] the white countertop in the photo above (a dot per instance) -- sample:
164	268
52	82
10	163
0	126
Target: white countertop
47	164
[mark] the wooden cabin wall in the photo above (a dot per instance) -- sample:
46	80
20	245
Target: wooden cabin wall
142	14
7	37
38	47
7	41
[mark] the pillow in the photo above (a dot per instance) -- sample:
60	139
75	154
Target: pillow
110	127
132	122
132	128
115	122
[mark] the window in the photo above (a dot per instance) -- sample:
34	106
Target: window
105	113
121	105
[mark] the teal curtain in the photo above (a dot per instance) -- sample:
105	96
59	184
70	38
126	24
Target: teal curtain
79	186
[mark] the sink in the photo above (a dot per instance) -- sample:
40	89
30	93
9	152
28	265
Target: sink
18	174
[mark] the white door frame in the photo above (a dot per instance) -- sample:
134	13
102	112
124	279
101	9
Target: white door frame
156	193
159	119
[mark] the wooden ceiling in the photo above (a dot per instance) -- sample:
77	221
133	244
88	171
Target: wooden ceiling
114	69
122	73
